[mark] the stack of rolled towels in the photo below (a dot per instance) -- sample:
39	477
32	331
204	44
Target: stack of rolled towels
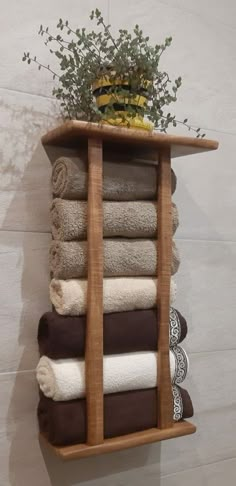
129	305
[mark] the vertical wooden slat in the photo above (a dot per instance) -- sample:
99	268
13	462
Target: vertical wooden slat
94	326
165	398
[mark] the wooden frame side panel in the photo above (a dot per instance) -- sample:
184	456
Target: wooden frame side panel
94	327
165	397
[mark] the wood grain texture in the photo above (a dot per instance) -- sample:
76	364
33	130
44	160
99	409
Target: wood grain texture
73	131
164	245
125	441
94	327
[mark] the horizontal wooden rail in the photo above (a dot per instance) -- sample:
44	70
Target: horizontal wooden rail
123	442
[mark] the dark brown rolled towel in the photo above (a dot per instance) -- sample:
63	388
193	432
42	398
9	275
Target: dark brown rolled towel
64	423
61	337
122	180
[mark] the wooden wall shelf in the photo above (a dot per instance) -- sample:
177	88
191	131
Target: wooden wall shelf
73	132
149	436
161	147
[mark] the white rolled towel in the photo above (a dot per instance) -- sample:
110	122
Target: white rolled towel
69	297
64	379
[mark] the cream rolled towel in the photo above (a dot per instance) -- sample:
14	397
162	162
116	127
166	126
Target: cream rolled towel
132	219
69	297
122	180
122	257
64	379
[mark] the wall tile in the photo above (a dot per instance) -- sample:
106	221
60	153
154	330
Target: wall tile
211	475
24	297
205	193
206	283
202	53
24	167
19	27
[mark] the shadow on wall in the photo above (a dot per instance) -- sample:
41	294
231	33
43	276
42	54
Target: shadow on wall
27	460
116	469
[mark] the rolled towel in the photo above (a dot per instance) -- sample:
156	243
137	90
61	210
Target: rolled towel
122	181
69	297
132	219
61	337
64	379
122	257
65	423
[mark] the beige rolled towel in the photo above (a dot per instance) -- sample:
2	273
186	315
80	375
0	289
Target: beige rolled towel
132	219
69	297
122	180
122	257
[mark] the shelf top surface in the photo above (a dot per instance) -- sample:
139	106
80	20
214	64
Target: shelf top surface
71	133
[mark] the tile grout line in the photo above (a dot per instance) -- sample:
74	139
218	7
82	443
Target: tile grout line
12	90
198	467
202	240
25	231
3	373
17	372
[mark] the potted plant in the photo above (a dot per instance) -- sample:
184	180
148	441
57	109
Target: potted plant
115	80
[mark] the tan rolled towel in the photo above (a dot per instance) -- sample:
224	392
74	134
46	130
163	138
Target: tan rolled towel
69	297
132	219
122	257
122	181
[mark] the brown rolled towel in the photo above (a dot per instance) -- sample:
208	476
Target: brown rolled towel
132	219
122	181
64	423
122	257
61	337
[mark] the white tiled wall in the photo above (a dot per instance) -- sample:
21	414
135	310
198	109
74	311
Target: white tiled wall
204	53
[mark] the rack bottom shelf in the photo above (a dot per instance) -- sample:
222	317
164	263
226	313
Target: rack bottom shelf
123	442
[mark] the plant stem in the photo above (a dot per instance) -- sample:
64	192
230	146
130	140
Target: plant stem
182	123
45	67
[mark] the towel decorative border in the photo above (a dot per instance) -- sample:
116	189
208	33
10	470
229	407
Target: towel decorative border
181	366
175	327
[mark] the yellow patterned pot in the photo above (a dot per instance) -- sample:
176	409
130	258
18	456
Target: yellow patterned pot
105	96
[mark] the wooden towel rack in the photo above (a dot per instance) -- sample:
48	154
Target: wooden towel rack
160	147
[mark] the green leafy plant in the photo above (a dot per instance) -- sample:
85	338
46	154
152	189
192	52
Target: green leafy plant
85	57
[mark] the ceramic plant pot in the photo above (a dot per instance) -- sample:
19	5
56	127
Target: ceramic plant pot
110	91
